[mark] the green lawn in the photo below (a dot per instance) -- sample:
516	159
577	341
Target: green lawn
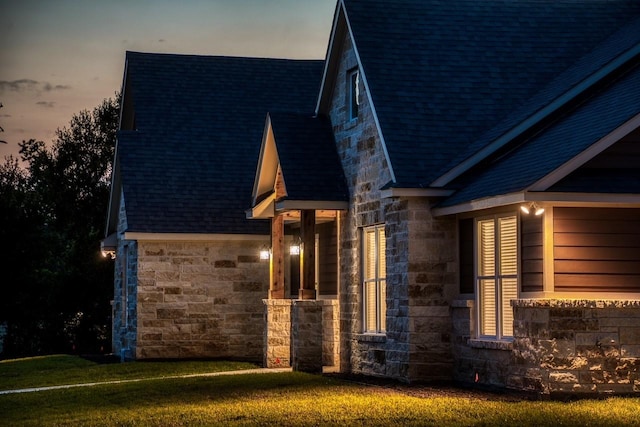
275	399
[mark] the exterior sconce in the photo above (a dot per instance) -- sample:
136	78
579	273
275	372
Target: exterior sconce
533	207
294	249
296	246
108	254
265	254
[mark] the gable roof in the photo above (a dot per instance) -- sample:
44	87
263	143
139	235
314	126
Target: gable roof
607	112
302	149
442	74
308	157
188	165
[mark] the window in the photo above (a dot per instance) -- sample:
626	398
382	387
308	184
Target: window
374	283
354	93
496	275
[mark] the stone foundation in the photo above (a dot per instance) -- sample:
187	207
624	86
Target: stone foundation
560	347
576	346
303	334
277	333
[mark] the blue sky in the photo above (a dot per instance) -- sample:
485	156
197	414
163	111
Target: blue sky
58	57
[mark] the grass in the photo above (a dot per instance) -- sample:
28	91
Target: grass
64	369
285	399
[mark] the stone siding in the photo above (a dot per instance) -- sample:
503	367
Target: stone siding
366	171
421	255
124	321
431	281
201	299
277	333
560	347
576	346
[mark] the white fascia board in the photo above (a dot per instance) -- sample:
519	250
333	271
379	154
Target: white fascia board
584	199
566	199
535	118
267	134
415	192
481	204
113	186
588	154
370	96
311	205
191	237
263	210
330	47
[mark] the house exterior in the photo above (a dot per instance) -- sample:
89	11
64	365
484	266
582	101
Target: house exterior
464	201
188	279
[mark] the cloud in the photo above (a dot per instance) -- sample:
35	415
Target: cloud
24	85
18	85
46	104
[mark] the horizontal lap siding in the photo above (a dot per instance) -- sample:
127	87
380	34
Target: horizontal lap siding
531	253
597	249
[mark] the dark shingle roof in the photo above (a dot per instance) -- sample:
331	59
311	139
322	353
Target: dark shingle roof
598	116
442	73
189	166
308	157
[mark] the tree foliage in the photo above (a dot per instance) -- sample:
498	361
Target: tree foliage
56	285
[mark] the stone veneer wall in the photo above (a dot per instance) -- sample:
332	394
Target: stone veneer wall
277	333
201	299
421	256
560	347
576	346
431	281
124	321
307	328
366	171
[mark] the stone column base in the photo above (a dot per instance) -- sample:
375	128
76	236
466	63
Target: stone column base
277	333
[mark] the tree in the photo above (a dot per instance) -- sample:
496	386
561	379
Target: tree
59	298
1	129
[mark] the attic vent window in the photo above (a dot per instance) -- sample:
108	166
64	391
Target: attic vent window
354	93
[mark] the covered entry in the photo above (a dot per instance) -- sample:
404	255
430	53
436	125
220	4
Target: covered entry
300	188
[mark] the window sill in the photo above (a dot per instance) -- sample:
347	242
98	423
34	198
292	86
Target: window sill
491	344
376	338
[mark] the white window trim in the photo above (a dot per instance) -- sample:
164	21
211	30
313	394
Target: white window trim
353	92
498	286
381	306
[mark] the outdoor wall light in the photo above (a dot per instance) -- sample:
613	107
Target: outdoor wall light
108	254
532	207
294	249
265	254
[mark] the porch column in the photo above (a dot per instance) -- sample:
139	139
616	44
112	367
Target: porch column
276	267
308	255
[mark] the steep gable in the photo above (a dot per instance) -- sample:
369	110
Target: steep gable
440	74
187	165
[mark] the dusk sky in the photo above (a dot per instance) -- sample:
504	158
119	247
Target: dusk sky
58	57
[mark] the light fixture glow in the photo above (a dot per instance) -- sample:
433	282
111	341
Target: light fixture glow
265	254
532	207
294	250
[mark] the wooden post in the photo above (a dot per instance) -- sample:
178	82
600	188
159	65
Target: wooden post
276	267
308	255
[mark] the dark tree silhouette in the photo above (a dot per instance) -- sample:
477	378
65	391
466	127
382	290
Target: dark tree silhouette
1	128
53	218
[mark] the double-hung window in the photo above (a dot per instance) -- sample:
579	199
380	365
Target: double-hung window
374	283
496	275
